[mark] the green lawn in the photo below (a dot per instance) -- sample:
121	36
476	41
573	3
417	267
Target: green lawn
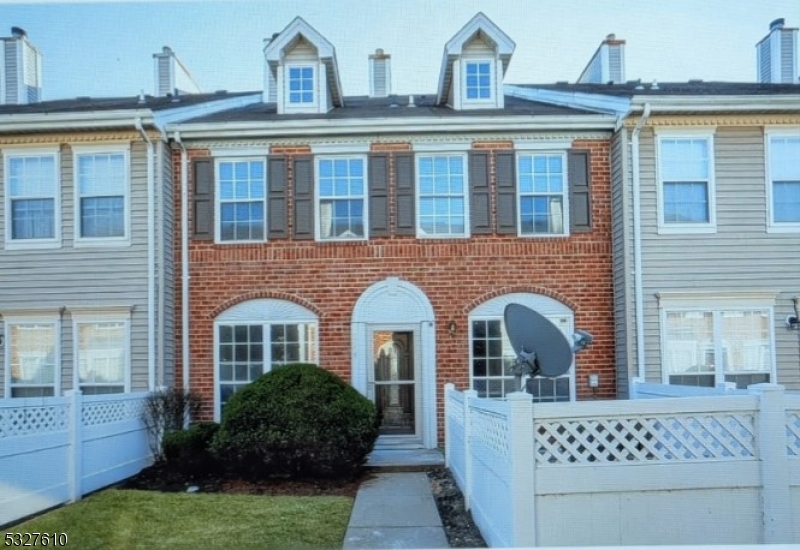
122	519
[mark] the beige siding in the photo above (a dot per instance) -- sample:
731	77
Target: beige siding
740	256
84	276
622	222
166	257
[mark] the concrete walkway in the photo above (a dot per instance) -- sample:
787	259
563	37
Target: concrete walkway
395	510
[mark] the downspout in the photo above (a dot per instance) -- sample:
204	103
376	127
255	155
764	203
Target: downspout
637	243
184	261
151	281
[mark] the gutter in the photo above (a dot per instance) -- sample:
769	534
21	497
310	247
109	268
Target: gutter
184	262
151	282
637	243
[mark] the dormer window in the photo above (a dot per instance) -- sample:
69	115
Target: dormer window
478	81
301	85
302	75
474	63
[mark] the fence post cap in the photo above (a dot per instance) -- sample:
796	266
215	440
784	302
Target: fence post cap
470	393
449	386
518	396
765	387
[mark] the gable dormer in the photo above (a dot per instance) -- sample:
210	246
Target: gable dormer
302	75
474	63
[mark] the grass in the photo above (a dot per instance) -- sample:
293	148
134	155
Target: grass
123	519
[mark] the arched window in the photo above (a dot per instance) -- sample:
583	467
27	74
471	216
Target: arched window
491	354
252	336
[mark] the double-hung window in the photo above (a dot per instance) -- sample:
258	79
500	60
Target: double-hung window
102	352
705	346
442	200
32	198
341	184
241	200
783	180
542	194
248	350
102	190
686	183
301	85
478	80
32	356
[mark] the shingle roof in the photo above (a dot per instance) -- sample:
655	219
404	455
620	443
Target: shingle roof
85	104
691	88
395	106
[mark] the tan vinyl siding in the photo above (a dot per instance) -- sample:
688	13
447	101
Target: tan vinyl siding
740	256
166	257
85	276
622	222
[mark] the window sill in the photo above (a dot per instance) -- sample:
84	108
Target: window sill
111	242
436	236
784	228
687	229
544	235
33	245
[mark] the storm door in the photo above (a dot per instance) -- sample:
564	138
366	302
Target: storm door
394	382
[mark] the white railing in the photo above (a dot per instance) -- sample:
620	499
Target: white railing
717	469
56	449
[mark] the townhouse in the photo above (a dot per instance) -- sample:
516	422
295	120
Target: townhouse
382	236
86	273
706	219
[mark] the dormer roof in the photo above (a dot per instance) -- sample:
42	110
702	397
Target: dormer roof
481	27
295	32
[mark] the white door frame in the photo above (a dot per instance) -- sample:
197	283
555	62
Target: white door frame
396	303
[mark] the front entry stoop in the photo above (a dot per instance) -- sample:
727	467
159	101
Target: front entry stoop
404	460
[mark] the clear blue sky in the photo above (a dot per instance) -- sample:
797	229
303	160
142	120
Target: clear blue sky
105	48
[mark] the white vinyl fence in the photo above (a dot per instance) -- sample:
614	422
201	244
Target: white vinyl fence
713	469
56	449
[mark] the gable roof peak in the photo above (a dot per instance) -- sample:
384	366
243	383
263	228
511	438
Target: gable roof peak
481	23
276	48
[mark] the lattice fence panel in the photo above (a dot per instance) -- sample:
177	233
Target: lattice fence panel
491	429
793	433
27	420
659	438
106	412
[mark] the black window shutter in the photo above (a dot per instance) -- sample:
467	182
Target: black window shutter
276	197
404	178
506	192
378	195
203	199
304	198
479	202
580	197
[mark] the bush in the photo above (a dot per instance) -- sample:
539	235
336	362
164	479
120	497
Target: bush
166	411
297	420
188	450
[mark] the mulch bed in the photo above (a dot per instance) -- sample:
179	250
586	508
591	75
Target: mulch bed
461	531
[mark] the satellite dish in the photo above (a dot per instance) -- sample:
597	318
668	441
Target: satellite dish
537	341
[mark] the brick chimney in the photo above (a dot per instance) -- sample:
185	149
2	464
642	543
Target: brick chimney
607	63
20	70
776	55
380	74
172	77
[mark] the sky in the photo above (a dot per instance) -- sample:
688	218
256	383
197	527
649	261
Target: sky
103	48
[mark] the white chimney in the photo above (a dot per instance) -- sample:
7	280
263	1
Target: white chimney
380	74
607	63
20	70
776	55
172	77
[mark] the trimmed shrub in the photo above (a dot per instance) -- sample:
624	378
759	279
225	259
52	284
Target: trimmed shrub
188	450
297	420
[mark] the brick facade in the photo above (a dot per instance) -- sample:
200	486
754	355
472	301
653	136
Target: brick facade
455	274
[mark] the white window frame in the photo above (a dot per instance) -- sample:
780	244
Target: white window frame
39	152
422	152
492	310
772	225
31	318
686	228
102	315
314	104
110	149
466	101
263	312
680	302
564	194
318	198
218	198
